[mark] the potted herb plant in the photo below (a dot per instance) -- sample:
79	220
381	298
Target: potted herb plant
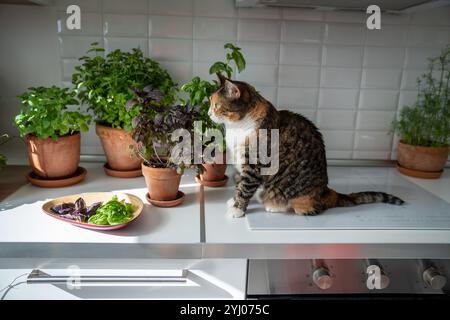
424	128
199	91
103	83
153	128
3	139
52	131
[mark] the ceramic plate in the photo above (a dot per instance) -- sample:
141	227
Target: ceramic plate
90	198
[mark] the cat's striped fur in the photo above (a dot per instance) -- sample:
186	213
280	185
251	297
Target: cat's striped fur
301	183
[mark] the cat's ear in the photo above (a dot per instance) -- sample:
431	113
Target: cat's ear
232	91
221	78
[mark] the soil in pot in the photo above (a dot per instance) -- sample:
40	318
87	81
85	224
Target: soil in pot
162	183
116	144
51	159
422	159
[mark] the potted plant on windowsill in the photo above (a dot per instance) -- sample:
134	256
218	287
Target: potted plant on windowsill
52	135
424	128
153	131
103	83
199	91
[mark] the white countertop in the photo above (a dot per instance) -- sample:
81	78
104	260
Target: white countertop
221	228
22	220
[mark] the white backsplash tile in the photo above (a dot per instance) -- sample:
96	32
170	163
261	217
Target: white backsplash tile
335	119
170	49
302	14
125	7
300	53
428	36
338	98
378	99
344	33
328	66
208	50
289	97
388	35
76	46
259	52
91	24
259	13
125	43
215	8
258	30
409	78
181	72
170	27
214	29
374	120
300	76
171	7
381	78
338	139
340	77
122	25
342	56
384	57
372	141
86	6
418	57
302	31
259	74
372	155
407	98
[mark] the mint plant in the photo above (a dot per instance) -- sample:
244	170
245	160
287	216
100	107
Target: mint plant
45	113
104	83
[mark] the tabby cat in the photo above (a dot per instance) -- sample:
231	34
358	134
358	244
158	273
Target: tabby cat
301	183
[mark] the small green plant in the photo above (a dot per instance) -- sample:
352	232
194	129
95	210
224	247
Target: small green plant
199	90
45	113
105	83
427	122
3	139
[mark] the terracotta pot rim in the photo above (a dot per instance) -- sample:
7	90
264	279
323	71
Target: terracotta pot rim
104	127
423	147
32	136
158	169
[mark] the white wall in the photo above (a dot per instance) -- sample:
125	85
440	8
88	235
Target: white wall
349	80
28	57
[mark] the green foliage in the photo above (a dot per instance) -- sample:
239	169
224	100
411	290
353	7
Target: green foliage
427	122
199	90
3	139
105	83
44	113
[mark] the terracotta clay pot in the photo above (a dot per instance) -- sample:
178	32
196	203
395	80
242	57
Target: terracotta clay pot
116	144
54	159
213	172
422	159
162	183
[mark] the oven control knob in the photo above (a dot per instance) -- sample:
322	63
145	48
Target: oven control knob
322	278
434	279
384	280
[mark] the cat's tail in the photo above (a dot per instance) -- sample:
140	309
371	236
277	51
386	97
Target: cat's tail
353	199
332	198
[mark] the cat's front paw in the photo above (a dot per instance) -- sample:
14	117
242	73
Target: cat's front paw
235	212
230	202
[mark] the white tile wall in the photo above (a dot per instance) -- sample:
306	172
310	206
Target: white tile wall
325	65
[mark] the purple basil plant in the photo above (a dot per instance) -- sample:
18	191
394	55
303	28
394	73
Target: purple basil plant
153	126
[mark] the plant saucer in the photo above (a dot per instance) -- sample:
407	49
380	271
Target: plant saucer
122	173
418	173
77	177
212	184
167	203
